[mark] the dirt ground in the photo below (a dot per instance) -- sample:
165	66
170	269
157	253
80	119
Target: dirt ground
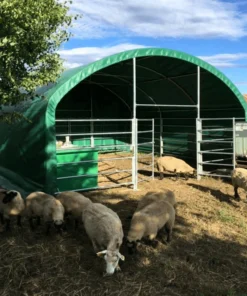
207	256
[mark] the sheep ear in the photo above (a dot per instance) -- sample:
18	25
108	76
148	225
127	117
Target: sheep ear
121	256
101	253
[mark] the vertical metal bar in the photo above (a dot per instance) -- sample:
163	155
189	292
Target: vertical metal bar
198	92
198	148
234	141
133	149
91	122
199	168
136	156
135	128
134	88
161	137
153	148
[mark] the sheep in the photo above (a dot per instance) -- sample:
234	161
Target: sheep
73	203
153	196
147	222
11	204
174	165
239	179
41	204
105	231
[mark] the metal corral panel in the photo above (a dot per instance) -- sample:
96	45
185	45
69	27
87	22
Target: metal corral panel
241	139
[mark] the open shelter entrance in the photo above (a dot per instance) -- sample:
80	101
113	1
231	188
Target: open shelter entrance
132	105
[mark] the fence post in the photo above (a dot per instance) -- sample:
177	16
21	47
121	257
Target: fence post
198	148
161	137
234	142
153	148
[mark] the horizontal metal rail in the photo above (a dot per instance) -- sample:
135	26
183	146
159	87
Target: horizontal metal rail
217	164
214	175
95	134
215	160
236	118
213	152
215	141
95	175
145	143
161	105
143	132
216	129
94	161
221	149
94	120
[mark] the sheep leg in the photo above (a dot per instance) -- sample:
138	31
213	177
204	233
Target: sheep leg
7	228
236	195
1	218
168	229
95	247
19	221
48	227
31	223
152	240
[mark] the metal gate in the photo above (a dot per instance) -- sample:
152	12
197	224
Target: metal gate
215	146
79	165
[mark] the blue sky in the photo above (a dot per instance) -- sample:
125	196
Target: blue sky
213	30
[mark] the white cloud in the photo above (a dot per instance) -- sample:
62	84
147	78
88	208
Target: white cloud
241	83
226	60
84	55
163	18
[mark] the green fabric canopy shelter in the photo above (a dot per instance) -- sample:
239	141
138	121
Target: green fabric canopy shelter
28	148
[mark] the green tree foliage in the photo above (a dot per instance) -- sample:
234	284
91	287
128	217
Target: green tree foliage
31	32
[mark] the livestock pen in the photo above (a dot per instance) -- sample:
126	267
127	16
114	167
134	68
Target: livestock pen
150	101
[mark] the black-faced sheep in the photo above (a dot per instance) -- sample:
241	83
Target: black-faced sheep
11	204
104	228
40	204
239	179
147	222
73	203
174	165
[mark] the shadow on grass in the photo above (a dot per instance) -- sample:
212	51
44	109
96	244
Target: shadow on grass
218	194
192	264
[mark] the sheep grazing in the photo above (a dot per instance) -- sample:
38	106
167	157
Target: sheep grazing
152	196
73	203
174	165
11	204
239	179
104	228
147	222
40	204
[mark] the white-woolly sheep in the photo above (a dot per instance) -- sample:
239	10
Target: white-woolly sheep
104	228
11	204
73	203
153	196
147	222
239	179
40	204
174	165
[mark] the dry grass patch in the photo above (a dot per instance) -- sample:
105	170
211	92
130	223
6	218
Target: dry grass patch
208	254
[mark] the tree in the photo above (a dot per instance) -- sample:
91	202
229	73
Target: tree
31	32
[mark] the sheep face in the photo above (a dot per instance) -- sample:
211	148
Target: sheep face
9	196
111	259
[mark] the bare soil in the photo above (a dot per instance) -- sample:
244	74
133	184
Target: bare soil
207	256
